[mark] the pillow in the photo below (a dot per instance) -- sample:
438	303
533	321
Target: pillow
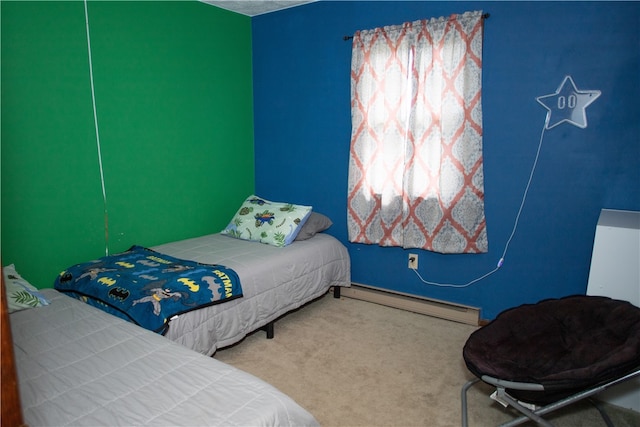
316	223
268	222
20	293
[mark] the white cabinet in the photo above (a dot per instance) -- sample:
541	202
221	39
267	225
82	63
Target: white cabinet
615	273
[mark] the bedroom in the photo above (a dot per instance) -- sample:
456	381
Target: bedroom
199	107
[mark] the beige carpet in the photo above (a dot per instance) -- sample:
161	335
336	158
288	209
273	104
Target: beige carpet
355	363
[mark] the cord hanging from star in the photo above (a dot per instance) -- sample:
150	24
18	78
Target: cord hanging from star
567	104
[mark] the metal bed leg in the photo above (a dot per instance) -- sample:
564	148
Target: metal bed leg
467	386
268	328
336	291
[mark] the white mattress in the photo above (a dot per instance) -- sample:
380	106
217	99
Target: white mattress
80	366
274	281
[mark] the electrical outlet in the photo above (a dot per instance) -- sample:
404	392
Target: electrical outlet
413	261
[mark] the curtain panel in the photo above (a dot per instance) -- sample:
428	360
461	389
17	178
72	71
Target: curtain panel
415	167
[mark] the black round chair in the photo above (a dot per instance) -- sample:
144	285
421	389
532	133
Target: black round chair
555	352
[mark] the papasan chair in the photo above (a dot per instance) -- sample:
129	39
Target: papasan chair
544	356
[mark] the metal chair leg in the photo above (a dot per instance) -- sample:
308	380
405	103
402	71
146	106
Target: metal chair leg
465	421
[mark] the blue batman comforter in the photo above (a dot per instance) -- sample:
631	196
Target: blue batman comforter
147	287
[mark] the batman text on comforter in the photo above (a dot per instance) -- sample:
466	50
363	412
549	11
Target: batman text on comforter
147	287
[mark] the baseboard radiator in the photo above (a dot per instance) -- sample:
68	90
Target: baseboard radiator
430	307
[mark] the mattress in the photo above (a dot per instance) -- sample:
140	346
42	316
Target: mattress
80	366
275	280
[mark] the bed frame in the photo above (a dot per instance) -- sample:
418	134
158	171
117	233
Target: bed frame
274	280
10	404
269	328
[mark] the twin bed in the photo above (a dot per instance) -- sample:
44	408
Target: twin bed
78	365
274	282
278	251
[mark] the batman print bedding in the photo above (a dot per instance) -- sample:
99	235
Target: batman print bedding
147	287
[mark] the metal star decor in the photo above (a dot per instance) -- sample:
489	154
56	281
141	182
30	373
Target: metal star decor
568	104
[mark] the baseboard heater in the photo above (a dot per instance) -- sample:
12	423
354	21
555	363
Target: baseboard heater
430	307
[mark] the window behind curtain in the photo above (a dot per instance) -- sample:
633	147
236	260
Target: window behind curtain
415	168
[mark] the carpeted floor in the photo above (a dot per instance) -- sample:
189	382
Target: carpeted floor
355	363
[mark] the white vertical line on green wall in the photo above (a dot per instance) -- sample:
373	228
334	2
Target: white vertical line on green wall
95	120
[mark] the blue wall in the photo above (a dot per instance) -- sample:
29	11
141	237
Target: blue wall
302	130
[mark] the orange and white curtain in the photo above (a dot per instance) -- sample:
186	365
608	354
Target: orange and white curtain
415	168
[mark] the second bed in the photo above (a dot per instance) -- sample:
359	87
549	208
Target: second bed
275	280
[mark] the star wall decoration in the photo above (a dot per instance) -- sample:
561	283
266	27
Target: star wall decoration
568	104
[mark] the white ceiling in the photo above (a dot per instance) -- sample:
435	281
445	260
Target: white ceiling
253	8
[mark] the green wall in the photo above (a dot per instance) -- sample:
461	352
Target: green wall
173	88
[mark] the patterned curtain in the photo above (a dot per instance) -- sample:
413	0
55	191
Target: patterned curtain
415	168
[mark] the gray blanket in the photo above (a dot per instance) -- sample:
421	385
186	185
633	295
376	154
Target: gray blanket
80	366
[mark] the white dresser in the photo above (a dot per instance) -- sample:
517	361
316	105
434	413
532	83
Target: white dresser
615	273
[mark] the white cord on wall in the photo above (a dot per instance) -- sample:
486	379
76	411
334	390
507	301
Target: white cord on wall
513	231
563	105
95	120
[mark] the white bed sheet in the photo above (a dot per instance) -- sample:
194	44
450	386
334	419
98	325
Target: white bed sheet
274	281
80	366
